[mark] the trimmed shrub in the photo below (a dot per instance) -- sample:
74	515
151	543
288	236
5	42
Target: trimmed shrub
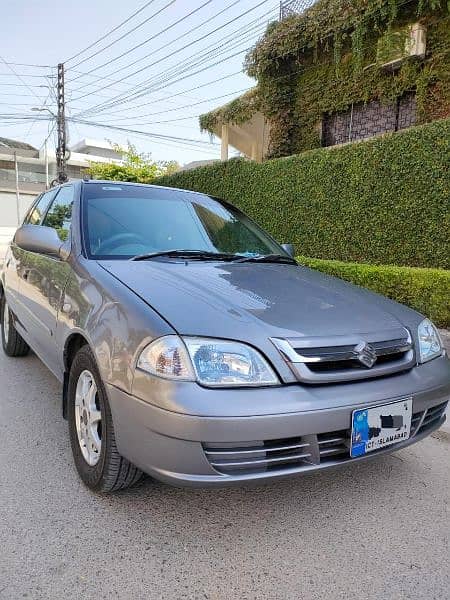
383	201
425	290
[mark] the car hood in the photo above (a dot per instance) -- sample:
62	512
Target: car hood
240	301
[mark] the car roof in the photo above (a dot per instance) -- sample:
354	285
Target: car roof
133	183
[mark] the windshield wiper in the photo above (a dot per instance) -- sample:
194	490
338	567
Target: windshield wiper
192	254
268	258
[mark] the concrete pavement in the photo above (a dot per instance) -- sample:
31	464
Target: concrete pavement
379	530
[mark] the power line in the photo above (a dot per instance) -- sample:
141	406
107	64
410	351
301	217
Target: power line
122	98
168	81
208	83
22	75
186	105
19	94
197	87
302	69
182	48
18	76
172	144
148	133
27	135
171	42
22	85
198	71
14	64
109	32
146	42
125	35
171	141
19	103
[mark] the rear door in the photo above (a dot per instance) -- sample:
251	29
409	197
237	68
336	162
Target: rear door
42	281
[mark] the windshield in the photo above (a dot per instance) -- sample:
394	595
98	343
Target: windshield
122	221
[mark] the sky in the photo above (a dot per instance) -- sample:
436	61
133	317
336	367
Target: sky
158	88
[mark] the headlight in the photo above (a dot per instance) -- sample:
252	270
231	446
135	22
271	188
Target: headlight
430	345
223	363
211	362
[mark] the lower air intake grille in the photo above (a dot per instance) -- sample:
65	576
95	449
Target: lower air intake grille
432	417
259	456
297	452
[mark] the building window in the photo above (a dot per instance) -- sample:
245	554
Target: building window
366	120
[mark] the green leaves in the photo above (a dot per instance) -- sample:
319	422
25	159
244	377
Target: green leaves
139	168
325	59
237	111
425	290
385	200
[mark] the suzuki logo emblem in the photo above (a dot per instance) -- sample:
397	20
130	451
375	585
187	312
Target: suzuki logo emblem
366	354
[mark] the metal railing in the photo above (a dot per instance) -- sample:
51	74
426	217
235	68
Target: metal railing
294	7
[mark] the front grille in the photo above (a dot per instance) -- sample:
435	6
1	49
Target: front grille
348	358
299	452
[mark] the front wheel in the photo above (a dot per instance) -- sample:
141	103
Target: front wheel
91	429
13	344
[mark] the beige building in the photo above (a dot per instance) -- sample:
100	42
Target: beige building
26	171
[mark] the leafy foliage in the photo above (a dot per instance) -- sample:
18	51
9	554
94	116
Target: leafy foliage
425	290
325	59
238	111
137	167
385	200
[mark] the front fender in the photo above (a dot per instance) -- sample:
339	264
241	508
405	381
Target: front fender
112	318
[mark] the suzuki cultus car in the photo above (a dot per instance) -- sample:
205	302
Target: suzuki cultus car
191	346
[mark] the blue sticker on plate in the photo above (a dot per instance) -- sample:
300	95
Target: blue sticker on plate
360	435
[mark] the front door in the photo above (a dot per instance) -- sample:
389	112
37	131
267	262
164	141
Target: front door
42	281
13	263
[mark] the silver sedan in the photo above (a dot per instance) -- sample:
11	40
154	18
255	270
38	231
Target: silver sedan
191	346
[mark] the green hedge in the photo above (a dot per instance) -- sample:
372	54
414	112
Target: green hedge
383	201
425	290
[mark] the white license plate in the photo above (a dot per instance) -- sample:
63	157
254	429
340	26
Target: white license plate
381	426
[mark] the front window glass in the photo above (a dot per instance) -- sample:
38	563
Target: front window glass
38	210
124	221
59	215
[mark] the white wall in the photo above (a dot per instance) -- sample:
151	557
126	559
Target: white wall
6	235
8	207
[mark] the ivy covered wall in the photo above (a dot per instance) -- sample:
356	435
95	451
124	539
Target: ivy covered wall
385	200
325	60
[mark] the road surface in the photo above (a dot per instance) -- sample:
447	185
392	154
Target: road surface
380	530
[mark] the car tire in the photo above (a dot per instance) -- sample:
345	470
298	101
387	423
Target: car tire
12	342
91	429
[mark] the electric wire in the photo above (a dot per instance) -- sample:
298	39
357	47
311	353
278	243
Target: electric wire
141	24
146	41
168	80
110	32
180	49
172	41
18	76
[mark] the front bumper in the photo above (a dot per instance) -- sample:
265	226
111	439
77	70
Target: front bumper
181	448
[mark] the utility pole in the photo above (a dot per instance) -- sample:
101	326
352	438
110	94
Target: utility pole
61	127
16	170
46	164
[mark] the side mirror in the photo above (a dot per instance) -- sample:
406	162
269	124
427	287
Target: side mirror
289	248
39	239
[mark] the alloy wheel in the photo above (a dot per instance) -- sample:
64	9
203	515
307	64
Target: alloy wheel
88	418
5	322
